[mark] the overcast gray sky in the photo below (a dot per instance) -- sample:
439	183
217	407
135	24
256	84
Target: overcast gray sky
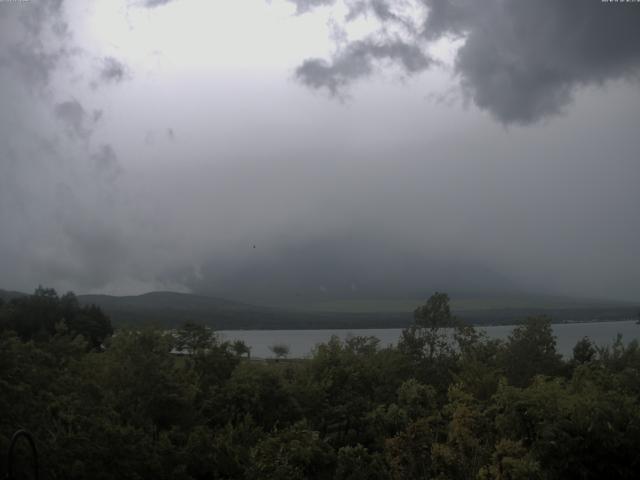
152	144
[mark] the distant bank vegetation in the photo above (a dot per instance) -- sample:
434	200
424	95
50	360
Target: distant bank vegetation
436	406
171	309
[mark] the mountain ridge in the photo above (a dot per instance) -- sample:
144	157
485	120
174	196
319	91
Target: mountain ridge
170	309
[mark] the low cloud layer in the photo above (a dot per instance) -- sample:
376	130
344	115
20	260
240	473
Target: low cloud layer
163	168
357	61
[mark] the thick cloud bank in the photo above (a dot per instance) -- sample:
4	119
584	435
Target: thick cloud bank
132	159
521	61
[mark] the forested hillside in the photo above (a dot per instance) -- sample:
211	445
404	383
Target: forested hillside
171	309
123	406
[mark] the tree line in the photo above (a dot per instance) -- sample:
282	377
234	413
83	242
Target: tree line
445	403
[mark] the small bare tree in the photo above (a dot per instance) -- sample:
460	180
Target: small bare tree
240	348
280	350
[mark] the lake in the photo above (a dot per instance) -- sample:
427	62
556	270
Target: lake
302	342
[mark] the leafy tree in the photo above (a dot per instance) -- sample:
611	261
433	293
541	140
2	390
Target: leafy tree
240	348
295	453
573	430
435	342
530	351
417	399
584	351
481	368
463	452
409	453
358	463
145	383
349	378
34	316
623	361
222	453
37	317
428	334
511	461
259	392
192	338
90	322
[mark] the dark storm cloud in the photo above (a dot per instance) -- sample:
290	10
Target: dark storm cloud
154	3
37	16
357	60
34	66
112	71
521	61
57	198
381	9
76	119
303	6
107	162
33	38
74	116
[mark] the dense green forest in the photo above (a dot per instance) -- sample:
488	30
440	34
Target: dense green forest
439	405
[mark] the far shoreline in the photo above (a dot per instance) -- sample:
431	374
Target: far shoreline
395	327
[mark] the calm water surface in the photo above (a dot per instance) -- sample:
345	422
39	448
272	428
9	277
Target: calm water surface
302	342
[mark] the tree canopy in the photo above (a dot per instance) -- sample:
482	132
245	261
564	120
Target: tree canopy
446	403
